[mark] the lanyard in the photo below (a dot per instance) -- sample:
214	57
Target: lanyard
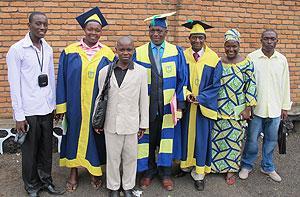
40	63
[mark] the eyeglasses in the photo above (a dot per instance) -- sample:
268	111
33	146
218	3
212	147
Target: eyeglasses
158	31
194	38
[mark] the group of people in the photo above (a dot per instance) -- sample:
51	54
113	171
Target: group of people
164	104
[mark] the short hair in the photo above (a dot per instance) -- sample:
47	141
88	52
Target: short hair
269	30
124	38
34	14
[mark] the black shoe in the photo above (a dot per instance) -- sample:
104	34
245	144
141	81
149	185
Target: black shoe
128	193
199	185
33	194
114	193
180	173
51	190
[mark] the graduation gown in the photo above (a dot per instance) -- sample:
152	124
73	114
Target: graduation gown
77	89
174	83
198	119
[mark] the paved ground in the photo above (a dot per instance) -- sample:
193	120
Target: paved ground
257	184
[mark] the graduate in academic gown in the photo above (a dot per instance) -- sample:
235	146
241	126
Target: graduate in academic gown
205	71
167	82
77	89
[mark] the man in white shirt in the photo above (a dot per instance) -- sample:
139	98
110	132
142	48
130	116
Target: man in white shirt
273	101
32	87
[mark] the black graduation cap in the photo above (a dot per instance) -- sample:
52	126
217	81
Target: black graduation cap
196	26
91	15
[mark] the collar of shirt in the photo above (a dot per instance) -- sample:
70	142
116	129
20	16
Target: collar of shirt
262	55
200	53
28	42
154	45
86	47
130	66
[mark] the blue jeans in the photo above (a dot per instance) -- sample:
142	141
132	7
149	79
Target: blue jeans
269	126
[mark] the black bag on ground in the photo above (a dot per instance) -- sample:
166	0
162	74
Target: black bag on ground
282	137
99	116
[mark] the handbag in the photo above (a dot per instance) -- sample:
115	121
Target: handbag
282	131
100	112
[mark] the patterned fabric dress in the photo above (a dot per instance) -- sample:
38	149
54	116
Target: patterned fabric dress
238	90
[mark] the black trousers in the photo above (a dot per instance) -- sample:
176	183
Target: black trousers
37	153
154	142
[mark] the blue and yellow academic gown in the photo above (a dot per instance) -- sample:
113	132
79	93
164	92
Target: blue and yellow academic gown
174	83
77	89
198	120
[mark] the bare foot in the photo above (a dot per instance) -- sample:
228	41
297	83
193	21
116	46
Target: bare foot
96	182
72	182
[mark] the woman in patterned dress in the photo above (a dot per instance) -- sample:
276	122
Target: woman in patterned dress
236	97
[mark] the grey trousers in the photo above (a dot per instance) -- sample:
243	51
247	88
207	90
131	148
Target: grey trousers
121	149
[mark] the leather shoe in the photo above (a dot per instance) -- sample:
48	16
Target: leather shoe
168	184
180	173
128	193
199	185
114	193
51	190
33	194
145	182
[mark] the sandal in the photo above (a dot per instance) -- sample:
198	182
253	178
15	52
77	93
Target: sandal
71	187
96	183
231	179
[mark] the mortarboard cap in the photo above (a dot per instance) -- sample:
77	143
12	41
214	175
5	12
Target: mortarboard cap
91	15
196	26
159	20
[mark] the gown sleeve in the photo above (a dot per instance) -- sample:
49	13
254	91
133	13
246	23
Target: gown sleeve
208	97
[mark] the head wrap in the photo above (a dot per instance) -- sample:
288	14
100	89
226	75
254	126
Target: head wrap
232	34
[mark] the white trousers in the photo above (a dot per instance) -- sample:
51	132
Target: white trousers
121	149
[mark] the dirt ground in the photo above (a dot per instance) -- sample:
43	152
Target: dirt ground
257	184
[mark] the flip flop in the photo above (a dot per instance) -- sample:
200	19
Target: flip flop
71	187
231	179
96	183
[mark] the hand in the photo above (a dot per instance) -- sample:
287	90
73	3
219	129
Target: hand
99	130
284	114
58	117
21	126
246	114
196	101
140	133
191	99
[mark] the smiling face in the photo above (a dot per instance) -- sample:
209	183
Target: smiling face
38	26
197	41
232	48
93	32
157	34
